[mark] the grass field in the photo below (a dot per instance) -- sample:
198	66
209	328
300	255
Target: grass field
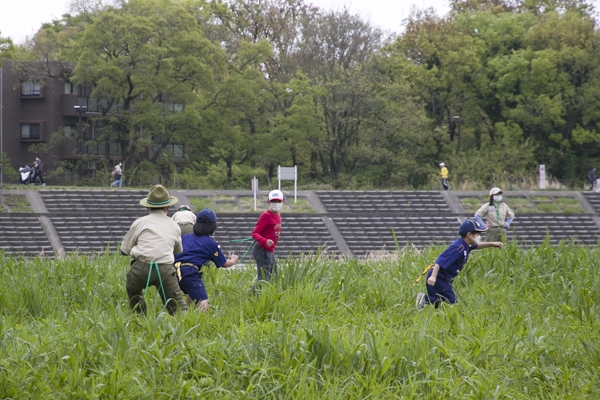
528	327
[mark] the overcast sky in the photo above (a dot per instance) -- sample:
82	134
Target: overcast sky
26	16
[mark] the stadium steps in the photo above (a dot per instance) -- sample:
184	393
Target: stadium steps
373	234
300	234
594	199
94	201
23	235
92	221
532	229
92	234
383	202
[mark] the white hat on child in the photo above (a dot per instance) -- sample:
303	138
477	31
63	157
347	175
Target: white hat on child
275	195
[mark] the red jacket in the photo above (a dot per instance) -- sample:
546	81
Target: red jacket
267	227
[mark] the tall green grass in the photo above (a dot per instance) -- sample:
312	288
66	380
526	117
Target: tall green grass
527	327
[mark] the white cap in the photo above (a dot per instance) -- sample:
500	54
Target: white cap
442	164
495	190
275	195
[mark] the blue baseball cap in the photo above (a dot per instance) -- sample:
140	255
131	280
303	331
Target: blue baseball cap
471	225
208	213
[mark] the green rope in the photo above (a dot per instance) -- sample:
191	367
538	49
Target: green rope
152	265
248	249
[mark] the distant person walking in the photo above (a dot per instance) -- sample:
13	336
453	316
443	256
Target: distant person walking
444	175
266	234
185	218
118	175
151	243
498	216
37	171
591	178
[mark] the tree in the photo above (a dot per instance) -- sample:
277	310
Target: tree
148	63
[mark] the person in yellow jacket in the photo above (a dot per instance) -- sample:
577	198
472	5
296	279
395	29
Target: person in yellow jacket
444	175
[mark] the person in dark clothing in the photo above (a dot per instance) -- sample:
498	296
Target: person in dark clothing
38	171
591	178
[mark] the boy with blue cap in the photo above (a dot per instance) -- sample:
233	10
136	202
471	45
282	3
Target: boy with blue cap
199	249
450	263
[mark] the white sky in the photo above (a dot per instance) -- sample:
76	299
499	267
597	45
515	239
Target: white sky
26	16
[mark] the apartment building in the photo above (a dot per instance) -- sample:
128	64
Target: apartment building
34	107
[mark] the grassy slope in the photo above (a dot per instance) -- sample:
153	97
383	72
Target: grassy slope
527	327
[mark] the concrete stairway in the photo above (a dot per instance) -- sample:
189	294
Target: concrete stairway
594	199
116	202
373	233
382	202
300	234
532	229
22	234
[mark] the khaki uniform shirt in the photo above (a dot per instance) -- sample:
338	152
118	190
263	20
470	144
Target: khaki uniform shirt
495	216
153	238
184	217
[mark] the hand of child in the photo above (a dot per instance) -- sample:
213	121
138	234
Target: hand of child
497	244
431	280
203	305
269	243
235	259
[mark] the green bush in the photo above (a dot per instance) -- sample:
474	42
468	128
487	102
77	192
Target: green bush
548	208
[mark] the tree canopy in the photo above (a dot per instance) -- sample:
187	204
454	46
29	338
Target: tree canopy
492	89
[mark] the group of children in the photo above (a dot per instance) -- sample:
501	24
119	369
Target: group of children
197	249
163	255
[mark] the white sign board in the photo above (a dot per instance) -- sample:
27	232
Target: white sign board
288	174
542	176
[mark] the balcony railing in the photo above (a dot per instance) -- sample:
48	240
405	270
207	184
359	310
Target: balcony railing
91	147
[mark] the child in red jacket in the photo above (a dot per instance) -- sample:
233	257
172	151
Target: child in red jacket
266	233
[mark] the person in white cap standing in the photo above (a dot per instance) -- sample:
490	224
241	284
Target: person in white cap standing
444	175
498	216
266	234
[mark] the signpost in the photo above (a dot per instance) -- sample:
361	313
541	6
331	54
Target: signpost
288	174
542	176
254	189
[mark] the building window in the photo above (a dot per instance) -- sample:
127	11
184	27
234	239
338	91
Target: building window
30	131
30	88
70	131
176	150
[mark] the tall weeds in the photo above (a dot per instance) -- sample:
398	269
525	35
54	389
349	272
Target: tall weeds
527	327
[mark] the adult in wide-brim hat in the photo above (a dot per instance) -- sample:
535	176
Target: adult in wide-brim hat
158	197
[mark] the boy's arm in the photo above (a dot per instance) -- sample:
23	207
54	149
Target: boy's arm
483	245
231	262
431	280
258	228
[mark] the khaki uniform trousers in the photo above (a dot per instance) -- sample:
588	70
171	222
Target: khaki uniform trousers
186	228
495	234
137	277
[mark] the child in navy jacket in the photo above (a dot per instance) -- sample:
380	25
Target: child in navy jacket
450	263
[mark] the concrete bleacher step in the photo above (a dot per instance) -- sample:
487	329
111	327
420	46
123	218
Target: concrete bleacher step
382	201
23	235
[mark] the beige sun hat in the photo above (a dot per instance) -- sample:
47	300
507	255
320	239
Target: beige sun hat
495	190
158	197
